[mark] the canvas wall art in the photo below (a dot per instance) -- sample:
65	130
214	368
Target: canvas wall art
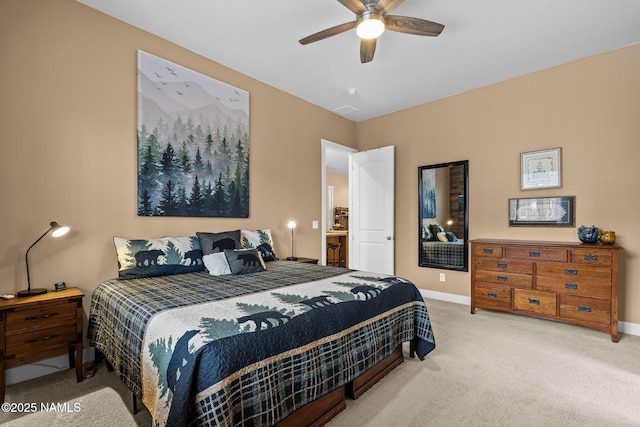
193	143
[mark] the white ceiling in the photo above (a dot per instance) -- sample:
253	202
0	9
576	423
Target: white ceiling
483	42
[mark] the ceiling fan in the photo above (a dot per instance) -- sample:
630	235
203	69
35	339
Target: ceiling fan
372	18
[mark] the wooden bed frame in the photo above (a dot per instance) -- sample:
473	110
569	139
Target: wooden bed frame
322	410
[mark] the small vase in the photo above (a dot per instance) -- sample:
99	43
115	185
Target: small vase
608	237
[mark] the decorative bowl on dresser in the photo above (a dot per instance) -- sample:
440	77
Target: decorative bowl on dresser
570	282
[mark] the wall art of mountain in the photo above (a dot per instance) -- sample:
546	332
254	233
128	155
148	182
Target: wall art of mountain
193	143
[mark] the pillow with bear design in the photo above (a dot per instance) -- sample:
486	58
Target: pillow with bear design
158	257
244	261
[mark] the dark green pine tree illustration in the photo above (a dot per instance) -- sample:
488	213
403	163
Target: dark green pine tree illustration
161	356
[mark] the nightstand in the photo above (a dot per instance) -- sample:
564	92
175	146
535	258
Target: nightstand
306	260
30	326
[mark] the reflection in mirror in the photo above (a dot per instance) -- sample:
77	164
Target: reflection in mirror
443	215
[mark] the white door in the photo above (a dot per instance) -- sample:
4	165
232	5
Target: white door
371	211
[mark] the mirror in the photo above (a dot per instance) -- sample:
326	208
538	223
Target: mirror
443	215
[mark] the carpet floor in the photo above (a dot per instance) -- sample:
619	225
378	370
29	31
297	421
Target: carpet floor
488	369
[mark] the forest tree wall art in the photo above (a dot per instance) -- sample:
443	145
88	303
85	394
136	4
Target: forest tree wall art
193	143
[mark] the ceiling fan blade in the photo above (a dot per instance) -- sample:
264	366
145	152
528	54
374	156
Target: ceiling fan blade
355	6
386	6
416	26
320	35
367	49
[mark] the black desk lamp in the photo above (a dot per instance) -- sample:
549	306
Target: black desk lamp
292	225
57	231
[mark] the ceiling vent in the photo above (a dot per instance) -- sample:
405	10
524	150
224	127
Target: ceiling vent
345	110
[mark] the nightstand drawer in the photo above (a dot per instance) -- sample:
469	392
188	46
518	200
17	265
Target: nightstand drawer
40	339
44	316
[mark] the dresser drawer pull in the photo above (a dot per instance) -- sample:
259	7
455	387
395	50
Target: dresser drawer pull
487	250
591	257
44	316
584	308
41	339
571	271
492	295
502	278
502	265
534	301
571	286
534	253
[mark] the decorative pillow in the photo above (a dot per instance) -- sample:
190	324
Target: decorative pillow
158	257
426	233
442	237
218	242
451	236
260	240
244	261
217	264
435	229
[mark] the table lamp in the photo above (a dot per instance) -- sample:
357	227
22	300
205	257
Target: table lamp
57	230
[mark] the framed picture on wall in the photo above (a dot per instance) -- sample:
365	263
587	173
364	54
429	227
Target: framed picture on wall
541	169
542	212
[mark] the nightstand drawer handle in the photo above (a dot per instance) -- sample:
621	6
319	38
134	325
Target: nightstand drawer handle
534	301
487	250
534	253
44	316
502	278
585	308
591	257
492	295
502	265
41	339
571	286
571	271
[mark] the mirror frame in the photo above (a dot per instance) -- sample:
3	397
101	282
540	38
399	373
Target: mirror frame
465	209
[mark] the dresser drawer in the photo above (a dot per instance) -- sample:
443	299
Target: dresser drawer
536	253
535	302
573	272
585	309
507	266
506	279
591	257
42	316
493	297
40	339
487	250
575	286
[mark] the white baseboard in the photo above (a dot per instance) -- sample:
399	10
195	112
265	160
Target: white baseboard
44	367
623	327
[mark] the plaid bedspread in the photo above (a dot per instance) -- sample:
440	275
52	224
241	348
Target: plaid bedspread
249	350
448	253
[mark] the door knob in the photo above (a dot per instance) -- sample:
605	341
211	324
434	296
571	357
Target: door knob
389	238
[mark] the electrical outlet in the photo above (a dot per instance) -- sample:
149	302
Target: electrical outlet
442	277
314	225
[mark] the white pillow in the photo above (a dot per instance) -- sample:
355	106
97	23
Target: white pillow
217	264
441	236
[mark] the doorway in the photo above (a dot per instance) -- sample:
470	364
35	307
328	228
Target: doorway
335	170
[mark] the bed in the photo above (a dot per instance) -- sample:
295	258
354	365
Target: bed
444	253
255	349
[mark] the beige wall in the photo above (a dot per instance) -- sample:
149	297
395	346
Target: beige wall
68	123
590	108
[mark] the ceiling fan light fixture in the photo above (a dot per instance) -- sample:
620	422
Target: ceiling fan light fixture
370	26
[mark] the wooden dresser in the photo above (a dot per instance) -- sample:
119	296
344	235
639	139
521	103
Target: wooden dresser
570	282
